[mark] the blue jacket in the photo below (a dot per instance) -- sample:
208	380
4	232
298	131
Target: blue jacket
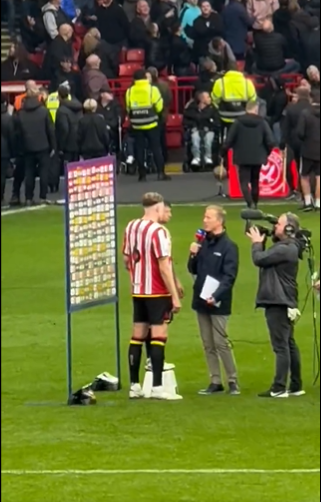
68	6
218	258
237	23
187	17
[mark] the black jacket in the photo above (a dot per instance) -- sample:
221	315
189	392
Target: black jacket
203	31
218	257
7	134
93	136
111	114
282	24
14	71
208	117
112	23
58	51
156	54
180	54
35	128
251	139
289	124
68	117
108	55
139	34
279	267
270	50
309	133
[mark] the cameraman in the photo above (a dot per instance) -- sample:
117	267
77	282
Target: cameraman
278	295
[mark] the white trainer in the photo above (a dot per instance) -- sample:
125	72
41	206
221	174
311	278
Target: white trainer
298	393
208	160
167	366
130	160
161	395
136	392
196	162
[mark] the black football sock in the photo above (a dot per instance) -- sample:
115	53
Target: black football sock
134	359
157	355
148	343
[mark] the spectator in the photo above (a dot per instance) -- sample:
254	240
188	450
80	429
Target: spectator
93	140
130	9
207	76
189	13
53	18
68	117
261	11
302	25
92	44
237	23
59	51
202	119
17	66
111	111
207	26
282	24
7	142
313	74
270	51
35	131
180	56
69	8
157	53
221	53
313	49
164	14
93	79
309	135
141	26
31	28
67	75
112	23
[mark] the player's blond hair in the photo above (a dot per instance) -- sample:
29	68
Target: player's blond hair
151	199
220	212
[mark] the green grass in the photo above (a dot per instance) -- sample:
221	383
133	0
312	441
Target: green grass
197	433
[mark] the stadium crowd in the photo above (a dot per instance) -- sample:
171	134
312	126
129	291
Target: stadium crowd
78	46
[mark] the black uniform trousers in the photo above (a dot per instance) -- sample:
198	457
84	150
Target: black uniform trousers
4	168
34	160
152	138
18	177
288	360
250	180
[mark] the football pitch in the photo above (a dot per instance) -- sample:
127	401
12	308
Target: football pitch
202	449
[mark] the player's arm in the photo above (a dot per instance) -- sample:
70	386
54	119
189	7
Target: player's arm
161	248
178	283
126	251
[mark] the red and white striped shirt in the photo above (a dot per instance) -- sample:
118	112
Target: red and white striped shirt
146	242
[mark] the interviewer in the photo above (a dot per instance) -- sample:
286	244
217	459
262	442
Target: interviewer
217	258
278	295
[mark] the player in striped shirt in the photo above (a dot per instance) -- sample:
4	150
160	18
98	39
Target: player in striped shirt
147	256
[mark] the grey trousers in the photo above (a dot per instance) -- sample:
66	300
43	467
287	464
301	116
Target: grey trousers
217	347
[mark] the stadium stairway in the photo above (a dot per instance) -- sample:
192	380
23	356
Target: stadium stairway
5	40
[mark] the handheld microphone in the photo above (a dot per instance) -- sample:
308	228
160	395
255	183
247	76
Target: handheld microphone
200	236
256	215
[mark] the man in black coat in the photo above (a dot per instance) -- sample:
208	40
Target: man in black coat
206	27
215	262
7	142
278	295
289	138
112	23
68	117
112	113
93	139
252	141
308	132
59	51
36	132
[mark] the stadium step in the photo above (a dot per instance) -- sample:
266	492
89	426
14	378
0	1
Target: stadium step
174	169
5	42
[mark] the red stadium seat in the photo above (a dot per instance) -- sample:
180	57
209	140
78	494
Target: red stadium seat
128	70
174	131
37	58
135	56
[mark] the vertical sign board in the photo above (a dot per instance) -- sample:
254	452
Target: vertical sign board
91	244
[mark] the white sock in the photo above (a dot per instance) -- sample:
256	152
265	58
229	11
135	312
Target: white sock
317	203
308	200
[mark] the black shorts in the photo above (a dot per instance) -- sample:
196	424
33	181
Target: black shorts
308	167
154	311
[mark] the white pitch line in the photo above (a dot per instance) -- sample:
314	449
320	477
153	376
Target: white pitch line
22	210
112	472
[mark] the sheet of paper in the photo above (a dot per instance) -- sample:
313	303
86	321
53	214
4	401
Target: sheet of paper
210	286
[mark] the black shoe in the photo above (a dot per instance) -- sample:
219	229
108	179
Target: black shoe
142	178
307	209
163	177
292	196
274	395
213	388
15	201
234	389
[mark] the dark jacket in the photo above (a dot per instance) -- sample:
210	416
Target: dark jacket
237	23
68	117
309	133
156	54
108	56
35	128
251	139
7	134
218	257
313	49
111	113
92	82
15	71
112	23
180	55
203	31
270	50
93	136
289	124
158	13
200	119
279	267
282	24
58	51
139	33
206	81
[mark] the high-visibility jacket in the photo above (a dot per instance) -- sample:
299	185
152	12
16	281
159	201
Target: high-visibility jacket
144	104
53	103
231	94
18	102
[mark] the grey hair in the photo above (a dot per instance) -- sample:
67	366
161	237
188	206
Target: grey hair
293	220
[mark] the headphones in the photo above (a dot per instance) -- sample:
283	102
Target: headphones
290	229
